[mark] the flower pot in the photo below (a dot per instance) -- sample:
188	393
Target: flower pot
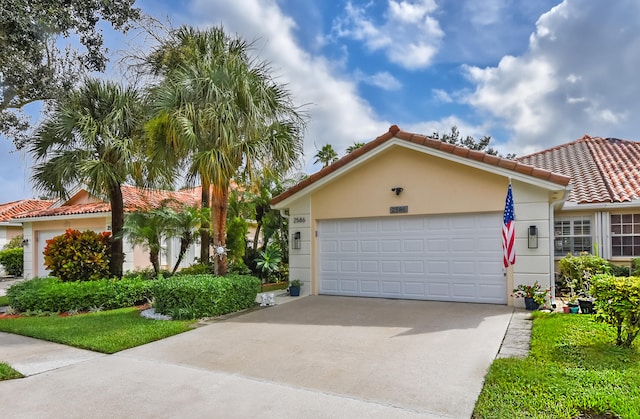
586	305
566	309
294	291
529	304
574	310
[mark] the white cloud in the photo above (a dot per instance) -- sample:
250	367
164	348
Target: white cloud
579	75
384	80
442	96
409	35
338	115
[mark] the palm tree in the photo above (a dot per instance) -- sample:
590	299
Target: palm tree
90	137
353	147
147	229
185	224
326	155
224	114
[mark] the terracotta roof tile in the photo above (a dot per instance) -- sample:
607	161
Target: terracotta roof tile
14	209
395	132
134	199
601	169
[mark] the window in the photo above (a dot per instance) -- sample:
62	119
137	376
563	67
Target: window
625	235
572	235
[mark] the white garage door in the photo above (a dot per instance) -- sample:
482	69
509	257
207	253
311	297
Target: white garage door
447	258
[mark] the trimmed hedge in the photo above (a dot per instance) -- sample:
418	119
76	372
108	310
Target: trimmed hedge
194	296
12	261
52	295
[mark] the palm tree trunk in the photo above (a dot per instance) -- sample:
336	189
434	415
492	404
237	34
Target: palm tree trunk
205	237
184	246
154	256
220	203
117	222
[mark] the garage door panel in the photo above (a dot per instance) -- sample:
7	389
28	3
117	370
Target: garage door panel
448	257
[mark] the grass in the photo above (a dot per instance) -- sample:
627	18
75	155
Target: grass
574	367
4	300
8	373
106	331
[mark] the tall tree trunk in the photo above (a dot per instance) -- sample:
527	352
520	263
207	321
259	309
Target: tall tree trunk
117	222
205	237
219	206
154	256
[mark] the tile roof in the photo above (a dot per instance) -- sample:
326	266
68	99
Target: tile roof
13	209
601	169
395	132
134	199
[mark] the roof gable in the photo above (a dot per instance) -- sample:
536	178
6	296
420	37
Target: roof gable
601	169
416	140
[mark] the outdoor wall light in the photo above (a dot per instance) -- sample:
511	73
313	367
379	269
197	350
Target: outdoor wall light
533	237
296	240
25	242
398	190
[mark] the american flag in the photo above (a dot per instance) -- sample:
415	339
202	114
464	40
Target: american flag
509	231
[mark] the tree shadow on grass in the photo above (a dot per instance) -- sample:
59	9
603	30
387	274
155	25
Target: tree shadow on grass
597	356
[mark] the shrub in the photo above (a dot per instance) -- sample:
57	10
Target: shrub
619	270
78	256
52	295
147	273
14	242
618	304
190	297
576	271
196	269
12	260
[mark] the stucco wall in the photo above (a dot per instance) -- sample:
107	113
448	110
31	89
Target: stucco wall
300	259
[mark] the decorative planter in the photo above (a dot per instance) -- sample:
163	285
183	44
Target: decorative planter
566	309
294	291
586	305
574	309
529	304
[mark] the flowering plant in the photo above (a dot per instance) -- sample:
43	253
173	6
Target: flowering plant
534	291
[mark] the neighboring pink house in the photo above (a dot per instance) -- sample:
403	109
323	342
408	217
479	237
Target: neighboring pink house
84	211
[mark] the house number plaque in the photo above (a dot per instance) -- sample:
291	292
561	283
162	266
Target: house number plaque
298	220
399	210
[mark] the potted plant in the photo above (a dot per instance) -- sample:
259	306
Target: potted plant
534	296
294	287
573	304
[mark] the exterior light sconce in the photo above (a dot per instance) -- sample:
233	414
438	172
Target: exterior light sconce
533	237
398	190
296	240
25	242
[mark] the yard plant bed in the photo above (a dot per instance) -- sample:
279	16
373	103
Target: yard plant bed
574	370
274	286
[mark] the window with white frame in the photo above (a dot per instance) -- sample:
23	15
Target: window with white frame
572	235
625	234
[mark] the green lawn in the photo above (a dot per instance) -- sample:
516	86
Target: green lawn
574	367
8	373
4	300
106	331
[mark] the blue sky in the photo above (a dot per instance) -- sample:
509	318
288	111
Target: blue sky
531	74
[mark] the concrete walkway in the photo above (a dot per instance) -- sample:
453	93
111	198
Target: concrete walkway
316	357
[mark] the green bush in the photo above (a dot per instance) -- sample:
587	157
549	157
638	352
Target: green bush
14	242
618	304
619	270
197	269
576	271
190	297
78	256
147	273
12	260
52	295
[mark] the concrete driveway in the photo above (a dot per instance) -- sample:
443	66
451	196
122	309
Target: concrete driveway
313	357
